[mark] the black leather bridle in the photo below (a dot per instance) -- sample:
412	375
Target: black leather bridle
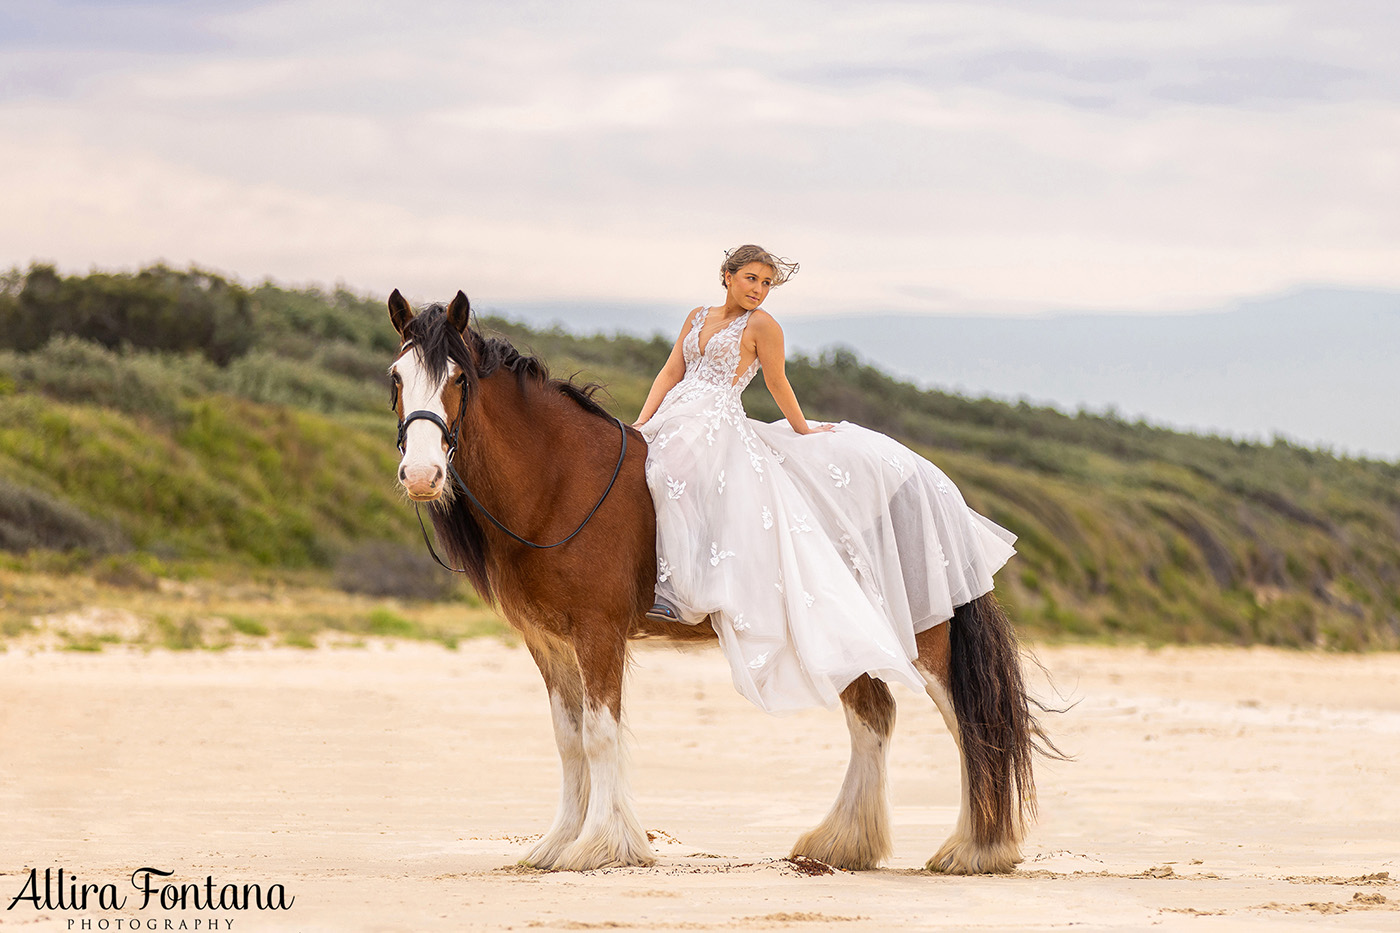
450	435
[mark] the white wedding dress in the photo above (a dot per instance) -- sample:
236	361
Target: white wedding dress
817	557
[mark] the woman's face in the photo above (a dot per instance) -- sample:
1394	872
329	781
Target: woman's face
749	286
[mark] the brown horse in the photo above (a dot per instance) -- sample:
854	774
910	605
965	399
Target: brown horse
537	454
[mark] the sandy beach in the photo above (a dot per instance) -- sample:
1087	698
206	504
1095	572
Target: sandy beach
393	787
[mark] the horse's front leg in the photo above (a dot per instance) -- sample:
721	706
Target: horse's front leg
555	659
611	835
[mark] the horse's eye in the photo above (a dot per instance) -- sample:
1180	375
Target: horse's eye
461	379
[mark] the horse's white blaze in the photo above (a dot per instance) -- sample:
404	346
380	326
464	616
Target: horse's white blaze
573	787
611	835
960	854
856	833
423	469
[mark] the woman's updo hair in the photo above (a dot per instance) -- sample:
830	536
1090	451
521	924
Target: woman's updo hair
740	256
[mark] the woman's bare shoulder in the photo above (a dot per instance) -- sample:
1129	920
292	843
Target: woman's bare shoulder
765	321
764	326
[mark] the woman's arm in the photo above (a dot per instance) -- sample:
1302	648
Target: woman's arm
670	374
768	336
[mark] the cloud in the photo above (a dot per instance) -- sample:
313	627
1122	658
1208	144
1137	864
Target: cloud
939	156
67	27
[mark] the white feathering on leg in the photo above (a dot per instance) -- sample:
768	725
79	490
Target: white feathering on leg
573	787
855	835
611	836
960	854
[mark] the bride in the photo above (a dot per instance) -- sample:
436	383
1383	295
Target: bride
816	551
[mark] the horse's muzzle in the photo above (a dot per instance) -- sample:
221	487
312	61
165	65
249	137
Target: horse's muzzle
422	483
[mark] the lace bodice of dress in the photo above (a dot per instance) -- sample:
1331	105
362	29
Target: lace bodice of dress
719	364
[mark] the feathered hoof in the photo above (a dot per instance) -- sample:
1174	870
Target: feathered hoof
588	853
960	856
848	850
547	852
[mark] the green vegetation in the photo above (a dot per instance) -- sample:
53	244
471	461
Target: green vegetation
71	608
170	426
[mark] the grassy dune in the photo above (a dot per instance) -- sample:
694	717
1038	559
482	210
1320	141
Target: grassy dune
144	604
167	487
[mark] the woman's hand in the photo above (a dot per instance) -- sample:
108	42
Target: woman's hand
823	427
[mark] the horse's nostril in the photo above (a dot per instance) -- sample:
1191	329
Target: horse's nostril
403	474
437	476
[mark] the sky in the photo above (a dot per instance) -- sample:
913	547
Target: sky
989	157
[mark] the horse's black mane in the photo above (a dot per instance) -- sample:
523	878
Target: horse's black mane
438	344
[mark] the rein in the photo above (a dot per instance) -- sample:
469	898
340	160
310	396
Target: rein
449	435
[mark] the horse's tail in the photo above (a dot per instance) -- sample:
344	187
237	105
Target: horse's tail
998	731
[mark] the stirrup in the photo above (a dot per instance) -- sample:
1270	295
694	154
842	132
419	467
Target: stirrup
662	611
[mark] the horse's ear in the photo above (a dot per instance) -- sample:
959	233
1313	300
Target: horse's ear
459	312
399	312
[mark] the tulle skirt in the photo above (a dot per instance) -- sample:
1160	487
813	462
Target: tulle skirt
817	557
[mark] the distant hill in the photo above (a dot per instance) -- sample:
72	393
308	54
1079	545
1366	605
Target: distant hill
1320	366
272	447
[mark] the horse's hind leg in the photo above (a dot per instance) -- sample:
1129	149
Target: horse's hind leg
610	835
972	669
559	668
856	833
